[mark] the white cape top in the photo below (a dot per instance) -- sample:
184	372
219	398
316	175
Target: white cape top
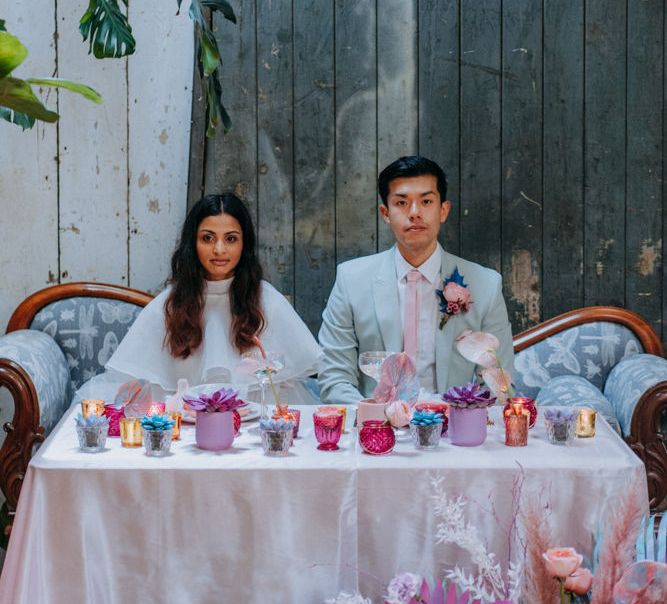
142	353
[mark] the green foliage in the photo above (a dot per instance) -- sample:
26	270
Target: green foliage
107	30
18	103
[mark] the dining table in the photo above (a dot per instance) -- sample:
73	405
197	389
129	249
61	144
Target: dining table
236	525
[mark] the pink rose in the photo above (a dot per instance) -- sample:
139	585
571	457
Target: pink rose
579	582
561	562
398	414
454	292
478	347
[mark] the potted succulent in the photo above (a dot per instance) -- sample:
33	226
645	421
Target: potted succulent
92	432
426	428
468	406
157	431
214	429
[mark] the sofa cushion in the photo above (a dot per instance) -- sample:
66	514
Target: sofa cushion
88	330
590	350
574	390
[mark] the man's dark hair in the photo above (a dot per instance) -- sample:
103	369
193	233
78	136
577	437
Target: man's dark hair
408	166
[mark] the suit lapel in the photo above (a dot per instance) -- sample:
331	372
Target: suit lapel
444	338
385	299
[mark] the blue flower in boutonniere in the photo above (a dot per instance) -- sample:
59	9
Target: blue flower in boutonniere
454	297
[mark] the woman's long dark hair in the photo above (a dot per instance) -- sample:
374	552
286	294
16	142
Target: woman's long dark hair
185	304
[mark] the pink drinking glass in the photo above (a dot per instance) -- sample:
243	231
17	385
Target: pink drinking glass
328	428
114	414
377	437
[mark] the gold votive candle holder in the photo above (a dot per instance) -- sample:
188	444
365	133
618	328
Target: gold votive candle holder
131	432
343	410
177	416
517	420
585	426
92	406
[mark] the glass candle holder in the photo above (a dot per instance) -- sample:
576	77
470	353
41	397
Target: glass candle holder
441	408
157	442
177	416
585	425
527	403
130	432
377	437
114	414
560	431
516	427
328	428
426	437
292	415
92	439
93	406
276	443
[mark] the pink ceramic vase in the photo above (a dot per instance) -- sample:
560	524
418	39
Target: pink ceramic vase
214	431
467	427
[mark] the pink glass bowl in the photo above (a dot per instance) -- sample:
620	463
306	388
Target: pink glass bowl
328	428
528	403
377	437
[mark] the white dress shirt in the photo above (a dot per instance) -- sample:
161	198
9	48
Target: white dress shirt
428	311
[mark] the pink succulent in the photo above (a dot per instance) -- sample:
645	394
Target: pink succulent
478	347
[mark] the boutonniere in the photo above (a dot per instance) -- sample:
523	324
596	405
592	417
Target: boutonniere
454	297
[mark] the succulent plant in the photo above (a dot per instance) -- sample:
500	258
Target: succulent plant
91	421
157	422
275	425
225	399
426	418
470	396
559	414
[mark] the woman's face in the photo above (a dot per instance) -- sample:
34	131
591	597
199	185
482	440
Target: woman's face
219	245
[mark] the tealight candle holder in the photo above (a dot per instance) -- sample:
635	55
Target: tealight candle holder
92	439
585	426
130	432
88	406
114	414
157	442
377	437
177	416
559	424
517	422
328	428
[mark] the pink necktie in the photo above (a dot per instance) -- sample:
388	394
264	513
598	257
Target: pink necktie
411	317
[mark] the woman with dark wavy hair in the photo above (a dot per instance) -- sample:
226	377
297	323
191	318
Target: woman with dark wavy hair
215	307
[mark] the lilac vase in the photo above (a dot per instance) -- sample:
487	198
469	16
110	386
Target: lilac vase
467	427
214	431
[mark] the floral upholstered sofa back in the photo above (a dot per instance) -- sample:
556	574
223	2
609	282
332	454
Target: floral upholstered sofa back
87	330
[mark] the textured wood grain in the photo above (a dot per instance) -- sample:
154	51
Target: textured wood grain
480	132
439	101
314	150
522	161
563	168
160	97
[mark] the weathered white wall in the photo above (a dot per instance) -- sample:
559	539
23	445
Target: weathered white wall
101	195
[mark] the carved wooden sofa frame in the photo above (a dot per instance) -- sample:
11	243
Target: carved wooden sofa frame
25	431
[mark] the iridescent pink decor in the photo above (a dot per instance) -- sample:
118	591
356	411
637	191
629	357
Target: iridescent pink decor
114	414
156	409
328	428
377	437
237	422
528	403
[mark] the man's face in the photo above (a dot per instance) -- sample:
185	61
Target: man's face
414	212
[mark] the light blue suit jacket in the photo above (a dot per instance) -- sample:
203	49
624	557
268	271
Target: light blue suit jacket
362	314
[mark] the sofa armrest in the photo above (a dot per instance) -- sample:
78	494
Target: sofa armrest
34	370
637	389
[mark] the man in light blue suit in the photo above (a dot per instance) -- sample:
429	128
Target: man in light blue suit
389	301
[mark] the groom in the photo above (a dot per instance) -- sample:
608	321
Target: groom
389	301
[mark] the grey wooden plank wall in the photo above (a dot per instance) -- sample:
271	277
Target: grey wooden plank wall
547	115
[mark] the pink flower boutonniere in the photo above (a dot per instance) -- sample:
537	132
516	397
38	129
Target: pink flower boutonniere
454	297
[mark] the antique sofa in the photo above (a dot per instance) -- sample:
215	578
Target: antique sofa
61	336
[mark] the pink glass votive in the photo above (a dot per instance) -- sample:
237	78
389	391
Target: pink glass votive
377	437
114	414
156	409
328	428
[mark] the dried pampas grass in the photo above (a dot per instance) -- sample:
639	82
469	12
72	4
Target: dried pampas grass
617	550
539	585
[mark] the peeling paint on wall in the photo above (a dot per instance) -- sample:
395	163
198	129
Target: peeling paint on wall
649	257
524	284
144	179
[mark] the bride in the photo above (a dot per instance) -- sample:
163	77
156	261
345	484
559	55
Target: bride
215	308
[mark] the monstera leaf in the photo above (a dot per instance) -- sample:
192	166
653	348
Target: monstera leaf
107	30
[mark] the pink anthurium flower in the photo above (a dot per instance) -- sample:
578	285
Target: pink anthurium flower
478	347
499	382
